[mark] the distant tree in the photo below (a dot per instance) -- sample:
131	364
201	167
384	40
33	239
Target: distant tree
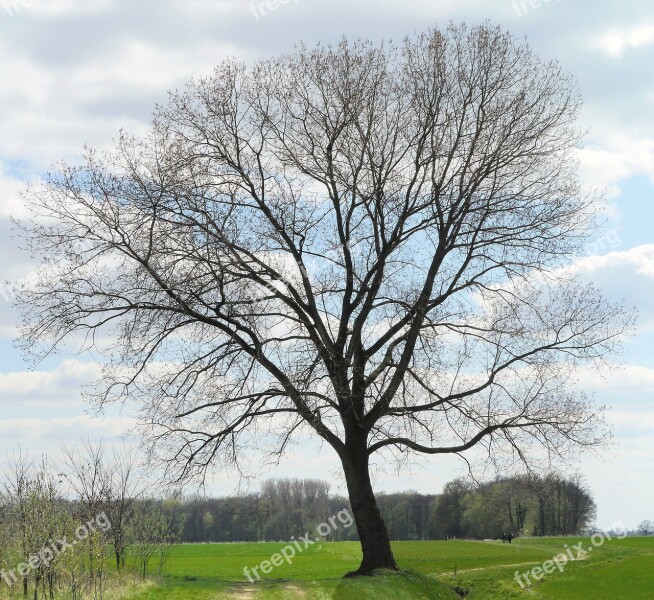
646	527
170	536
564	506
362	242
5	533
450	509
516	496
36	516
485	511
125	483
85	469
152	534
407	515
207	523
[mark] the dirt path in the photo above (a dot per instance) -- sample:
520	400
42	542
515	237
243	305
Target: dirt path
298	592
249	592
533	562
244	592
562	557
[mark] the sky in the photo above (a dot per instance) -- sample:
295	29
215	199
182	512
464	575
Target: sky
74	72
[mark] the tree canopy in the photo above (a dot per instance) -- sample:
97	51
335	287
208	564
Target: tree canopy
366	242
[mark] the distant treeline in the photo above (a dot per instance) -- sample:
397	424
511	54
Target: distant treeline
281	509
548	505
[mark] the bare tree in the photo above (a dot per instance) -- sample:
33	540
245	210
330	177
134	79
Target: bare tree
40	517
6	533
126	485
85	470
18	481
365	242
153	534
105	478
646	527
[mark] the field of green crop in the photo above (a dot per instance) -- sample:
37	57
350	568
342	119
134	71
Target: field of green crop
613	570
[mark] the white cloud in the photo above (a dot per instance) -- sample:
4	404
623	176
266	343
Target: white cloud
55	110
614	42
639	261
615	157
633	421
59	7
621	482
632	377
62	429
61	386
627	275
11	204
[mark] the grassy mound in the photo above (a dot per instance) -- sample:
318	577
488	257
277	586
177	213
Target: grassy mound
394	586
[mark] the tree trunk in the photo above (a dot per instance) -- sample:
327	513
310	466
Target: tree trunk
375	543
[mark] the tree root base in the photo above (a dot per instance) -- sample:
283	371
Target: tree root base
371	572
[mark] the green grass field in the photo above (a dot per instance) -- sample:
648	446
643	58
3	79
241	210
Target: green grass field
485	570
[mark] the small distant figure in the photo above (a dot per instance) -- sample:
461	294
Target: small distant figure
509	537
504	538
